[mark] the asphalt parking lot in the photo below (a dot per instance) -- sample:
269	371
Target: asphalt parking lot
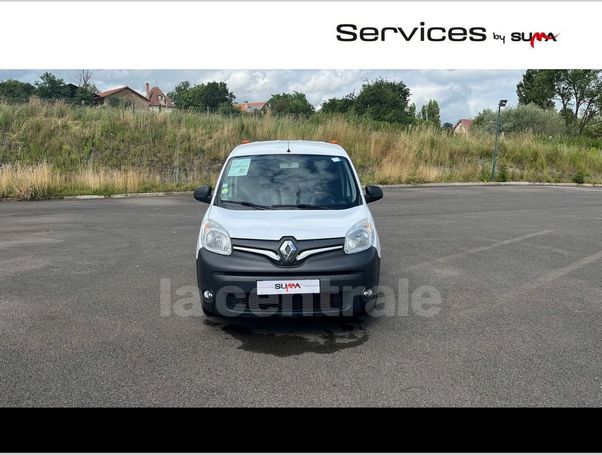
518	269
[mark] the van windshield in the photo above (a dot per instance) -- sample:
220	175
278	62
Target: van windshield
287	181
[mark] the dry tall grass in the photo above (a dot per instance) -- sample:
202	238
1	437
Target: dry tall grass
55	149
27	182
43	181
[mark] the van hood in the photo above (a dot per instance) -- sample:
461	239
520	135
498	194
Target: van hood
275	224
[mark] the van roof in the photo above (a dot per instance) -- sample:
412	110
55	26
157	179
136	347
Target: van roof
279	147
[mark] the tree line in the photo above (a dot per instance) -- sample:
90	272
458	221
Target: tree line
553	102
378	100
50	88
550	101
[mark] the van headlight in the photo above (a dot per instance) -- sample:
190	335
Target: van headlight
215	238
359	238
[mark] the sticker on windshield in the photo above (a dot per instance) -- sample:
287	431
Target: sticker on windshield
224	192
336	159
289	165
239	167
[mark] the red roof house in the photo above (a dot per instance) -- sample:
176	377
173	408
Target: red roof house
157	100
250	108
122	96
463	126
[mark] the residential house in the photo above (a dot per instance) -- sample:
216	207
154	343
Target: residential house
463	126
157	100
124	97
252	108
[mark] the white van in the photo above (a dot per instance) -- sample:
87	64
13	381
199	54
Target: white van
288	232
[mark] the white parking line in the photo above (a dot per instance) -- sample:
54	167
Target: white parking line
552	276
479	249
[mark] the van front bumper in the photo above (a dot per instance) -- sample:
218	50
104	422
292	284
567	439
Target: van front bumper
232	281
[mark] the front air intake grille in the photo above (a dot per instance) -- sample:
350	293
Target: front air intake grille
284	304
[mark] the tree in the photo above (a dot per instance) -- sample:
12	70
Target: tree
384	101
290	104
537	87
201	97
49	87
447	126
181	95
430	113
214	94
579	93
86	89
16	91
85	78
84	95
338	105
594	128
521	119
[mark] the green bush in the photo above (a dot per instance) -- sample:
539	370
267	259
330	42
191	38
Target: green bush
522	119
579	177
502	175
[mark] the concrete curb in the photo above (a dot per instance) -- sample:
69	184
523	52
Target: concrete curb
394	185
427	185
127	195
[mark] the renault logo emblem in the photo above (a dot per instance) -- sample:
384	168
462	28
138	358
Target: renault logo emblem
288	250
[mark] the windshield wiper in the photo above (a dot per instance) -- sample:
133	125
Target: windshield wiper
248	204
302	206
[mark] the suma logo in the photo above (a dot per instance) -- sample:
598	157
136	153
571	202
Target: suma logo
534	36
287	286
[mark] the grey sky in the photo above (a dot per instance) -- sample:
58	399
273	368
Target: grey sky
460	93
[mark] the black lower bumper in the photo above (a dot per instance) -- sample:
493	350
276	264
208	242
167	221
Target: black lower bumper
233	282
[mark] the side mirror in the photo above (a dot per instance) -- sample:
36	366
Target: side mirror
373	193
203	194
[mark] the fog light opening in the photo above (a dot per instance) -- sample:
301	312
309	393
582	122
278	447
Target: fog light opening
368	293
208	295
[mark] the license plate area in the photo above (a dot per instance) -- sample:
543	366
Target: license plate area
285	286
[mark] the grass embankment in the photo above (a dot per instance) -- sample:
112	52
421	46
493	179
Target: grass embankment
51	150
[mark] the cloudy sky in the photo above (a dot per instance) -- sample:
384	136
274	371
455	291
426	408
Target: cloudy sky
460	93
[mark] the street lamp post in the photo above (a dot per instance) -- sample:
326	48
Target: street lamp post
501	104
